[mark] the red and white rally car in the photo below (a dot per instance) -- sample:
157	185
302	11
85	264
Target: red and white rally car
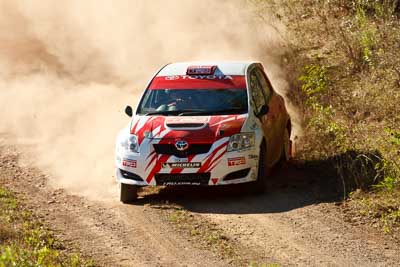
203	123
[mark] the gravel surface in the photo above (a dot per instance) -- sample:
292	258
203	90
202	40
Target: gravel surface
299	222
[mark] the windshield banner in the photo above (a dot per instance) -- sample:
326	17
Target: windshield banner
199	82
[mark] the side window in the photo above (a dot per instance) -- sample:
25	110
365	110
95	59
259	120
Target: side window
257	94
264	84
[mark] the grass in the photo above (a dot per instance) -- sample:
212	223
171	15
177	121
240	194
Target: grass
206	233
202	232
253	264
344	72
24	241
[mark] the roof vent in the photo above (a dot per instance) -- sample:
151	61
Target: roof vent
201	70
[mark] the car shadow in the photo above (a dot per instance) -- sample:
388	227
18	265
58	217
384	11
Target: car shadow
295	185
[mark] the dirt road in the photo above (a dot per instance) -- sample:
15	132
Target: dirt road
297	223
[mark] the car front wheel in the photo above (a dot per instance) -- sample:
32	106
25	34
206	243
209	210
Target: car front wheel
129	193
261	184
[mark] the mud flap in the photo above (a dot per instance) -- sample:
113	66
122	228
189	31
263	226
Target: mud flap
291	149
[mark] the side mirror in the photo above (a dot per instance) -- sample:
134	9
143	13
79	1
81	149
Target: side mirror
129	111
264	110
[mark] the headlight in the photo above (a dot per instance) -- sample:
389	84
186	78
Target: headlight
130	144
241	141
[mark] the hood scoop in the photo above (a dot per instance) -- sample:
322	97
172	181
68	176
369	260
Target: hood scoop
186	125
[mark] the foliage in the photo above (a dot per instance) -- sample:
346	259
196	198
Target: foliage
394	137
329	131
380	8
25	242
314	80
345	79
391	174
366	36
390	168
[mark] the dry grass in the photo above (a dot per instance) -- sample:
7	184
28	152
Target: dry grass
345	78
6	233
203	233
24	241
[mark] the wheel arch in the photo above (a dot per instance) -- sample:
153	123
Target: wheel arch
263	143
289	126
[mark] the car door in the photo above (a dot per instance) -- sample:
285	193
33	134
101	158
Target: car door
276	105
259	98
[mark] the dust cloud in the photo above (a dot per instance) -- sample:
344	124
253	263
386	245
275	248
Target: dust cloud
68	68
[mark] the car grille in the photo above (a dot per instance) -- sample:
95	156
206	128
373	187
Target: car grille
170	149
183	179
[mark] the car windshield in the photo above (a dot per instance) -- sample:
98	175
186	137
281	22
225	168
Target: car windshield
192	102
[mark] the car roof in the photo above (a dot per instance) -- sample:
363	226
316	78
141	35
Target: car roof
224	67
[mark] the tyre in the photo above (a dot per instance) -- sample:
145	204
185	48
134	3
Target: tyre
261	184
129	193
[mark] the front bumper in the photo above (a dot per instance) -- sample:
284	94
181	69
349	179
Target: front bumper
216	167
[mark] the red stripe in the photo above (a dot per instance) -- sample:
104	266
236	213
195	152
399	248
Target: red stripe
215	162
209	160
176	171
133	130
157	167
147	126
151	161
151	154
201	82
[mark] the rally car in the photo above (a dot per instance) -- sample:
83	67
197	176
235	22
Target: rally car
203	123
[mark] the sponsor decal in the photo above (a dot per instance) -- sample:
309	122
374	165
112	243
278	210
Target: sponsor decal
236	161
181	160
180	183
129	163
199	82
214	180
181	165
253	156
172	78
201	77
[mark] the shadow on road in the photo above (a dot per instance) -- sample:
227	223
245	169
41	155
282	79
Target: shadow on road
292	187
296	185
